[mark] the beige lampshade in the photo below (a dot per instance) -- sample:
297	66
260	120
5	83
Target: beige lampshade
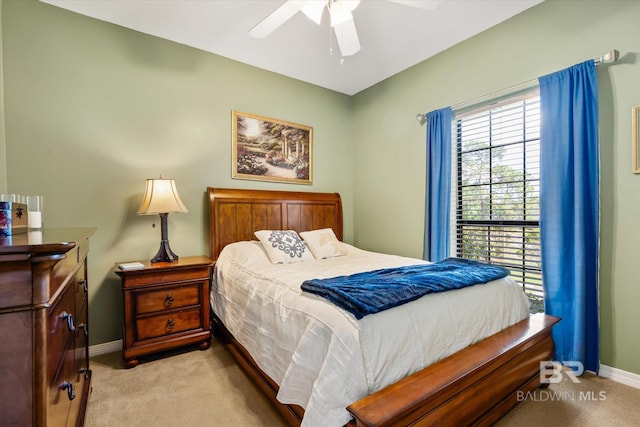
161	196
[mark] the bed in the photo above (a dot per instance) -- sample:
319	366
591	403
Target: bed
475	385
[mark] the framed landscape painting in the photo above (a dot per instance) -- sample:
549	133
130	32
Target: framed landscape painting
266	149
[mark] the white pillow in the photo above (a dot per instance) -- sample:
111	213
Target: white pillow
247	253
323	243
283	246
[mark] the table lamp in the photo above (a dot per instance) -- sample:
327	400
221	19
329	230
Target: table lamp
161	197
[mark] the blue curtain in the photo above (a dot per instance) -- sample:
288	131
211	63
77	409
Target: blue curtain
569	209
438	194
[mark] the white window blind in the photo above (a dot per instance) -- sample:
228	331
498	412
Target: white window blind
497	191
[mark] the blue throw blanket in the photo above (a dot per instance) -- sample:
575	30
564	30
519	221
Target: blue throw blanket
374	291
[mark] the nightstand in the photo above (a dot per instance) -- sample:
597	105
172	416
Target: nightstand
166	305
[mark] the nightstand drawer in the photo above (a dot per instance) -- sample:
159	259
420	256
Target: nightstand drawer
168	298
166	324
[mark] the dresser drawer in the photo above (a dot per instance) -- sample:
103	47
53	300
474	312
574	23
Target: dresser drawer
61	330
62	390
81	378
81	288
81	343
63	269
166	324
167	298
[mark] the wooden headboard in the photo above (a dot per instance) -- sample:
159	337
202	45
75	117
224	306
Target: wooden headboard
236	214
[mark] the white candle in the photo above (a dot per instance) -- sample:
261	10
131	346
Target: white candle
34	220
35	237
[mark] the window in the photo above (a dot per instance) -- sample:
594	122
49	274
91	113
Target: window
497	191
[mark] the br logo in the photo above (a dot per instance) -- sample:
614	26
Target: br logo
552	372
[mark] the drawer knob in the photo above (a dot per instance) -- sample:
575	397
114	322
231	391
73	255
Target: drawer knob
168	300
170	324
69	318
66	385
84	285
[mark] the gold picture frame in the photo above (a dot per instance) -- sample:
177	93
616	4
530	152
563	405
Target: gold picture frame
635	119
266	149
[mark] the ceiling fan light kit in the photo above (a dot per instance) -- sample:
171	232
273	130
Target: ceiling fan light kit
340	10
340	15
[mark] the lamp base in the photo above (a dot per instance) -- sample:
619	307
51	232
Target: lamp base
165	254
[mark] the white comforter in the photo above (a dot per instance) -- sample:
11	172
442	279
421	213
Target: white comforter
324	359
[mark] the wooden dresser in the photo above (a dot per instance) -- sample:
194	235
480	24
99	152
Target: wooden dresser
44	357
166	305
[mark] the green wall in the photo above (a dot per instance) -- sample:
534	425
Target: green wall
389	143
3	150
92	110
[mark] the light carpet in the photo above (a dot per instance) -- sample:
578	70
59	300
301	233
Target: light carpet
207	388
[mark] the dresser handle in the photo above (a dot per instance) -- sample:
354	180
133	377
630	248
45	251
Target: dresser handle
70	389
170	324
69	318
85	327
85	372
84	285
168	301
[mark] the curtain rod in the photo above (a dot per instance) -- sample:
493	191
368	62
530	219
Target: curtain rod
611	56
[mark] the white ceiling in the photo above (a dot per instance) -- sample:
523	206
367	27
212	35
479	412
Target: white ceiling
393	36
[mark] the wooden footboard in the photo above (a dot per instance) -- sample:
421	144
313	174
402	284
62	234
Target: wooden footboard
475	386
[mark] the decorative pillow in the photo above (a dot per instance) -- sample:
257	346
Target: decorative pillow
283	246
323	243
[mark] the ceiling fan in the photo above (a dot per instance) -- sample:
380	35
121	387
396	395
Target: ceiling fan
339	14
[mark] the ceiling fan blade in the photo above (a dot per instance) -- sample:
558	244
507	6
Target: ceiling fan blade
347	38
421	4
314	10
276	18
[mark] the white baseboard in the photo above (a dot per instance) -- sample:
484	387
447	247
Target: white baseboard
620	376
104	348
